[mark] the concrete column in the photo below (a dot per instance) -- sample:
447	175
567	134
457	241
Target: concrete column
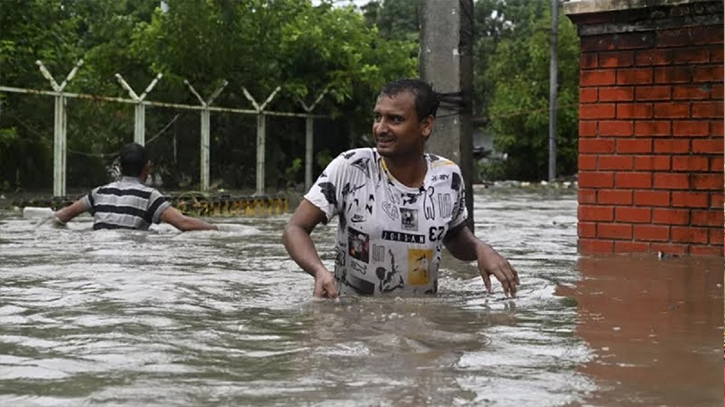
59	147
205	140
261	120
139	128
446	62
309	123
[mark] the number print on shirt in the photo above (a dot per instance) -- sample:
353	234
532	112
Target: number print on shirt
435	233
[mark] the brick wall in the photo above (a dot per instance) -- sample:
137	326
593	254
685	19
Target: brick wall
651	129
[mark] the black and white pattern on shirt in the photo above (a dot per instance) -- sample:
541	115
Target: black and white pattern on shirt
428	204
456	182
359	285
461	204
409	219
360	268
378	253
433	157
348	155
340	256
362	165
369	205
409	199
445	205
359	245
390	280
390	209
329	191
347	189
434	289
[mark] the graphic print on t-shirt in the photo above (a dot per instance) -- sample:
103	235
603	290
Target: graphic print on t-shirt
328	191
418	266
445	205
403	237
389	237
390	279
409	219
359	244
378	253
362	165
428	205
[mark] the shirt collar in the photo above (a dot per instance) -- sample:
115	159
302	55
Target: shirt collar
126	178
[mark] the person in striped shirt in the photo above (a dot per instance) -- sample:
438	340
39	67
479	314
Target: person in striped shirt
128	203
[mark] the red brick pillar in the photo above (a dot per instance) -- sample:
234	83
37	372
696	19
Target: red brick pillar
650	126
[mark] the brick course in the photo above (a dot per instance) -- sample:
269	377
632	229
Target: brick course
651	135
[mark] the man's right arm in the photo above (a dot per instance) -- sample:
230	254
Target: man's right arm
301	248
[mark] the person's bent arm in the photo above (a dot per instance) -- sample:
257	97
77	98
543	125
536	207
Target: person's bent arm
464	245
184	223
65	215
296	239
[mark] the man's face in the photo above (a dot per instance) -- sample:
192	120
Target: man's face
397	130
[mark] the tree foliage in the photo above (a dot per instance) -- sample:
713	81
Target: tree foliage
513	85
303	47
253	44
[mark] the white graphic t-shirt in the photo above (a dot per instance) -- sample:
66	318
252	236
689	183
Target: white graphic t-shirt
389	236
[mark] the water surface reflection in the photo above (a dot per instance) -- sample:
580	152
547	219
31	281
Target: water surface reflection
653	325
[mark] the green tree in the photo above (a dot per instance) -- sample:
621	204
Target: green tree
31	30
516	89
255	44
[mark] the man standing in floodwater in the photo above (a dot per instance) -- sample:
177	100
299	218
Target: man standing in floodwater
129	203
397	207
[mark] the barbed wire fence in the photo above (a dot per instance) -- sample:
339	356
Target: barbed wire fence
173	114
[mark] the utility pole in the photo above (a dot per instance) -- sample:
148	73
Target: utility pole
261	130
446	62
309	139
205	137
553	85
59	127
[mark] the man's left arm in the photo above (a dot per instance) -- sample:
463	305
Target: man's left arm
464	245
182	222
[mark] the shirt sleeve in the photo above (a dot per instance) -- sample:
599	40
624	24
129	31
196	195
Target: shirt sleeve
89	202
157	205
460	212
325	193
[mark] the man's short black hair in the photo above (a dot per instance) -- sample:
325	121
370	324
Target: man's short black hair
133	159
426	100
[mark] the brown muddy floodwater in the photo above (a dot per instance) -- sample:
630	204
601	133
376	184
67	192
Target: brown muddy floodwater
164	318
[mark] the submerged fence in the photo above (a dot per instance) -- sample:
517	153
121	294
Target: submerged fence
140	103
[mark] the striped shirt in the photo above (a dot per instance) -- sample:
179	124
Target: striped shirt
125	204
